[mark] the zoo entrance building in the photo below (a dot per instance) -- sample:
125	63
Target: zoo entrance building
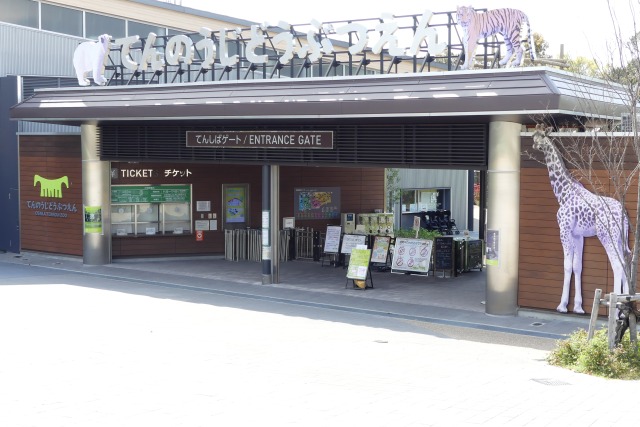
160	132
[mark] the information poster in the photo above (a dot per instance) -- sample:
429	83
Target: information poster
317	203
359	264
493	247
332	239
380	249
350	241
235	203
411	255
93	219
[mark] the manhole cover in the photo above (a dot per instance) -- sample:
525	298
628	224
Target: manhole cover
547	381
537	324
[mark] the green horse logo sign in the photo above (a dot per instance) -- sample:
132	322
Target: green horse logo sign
51	187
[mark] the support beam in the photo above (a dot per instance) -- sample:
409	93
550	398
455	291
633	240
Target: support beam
503	217
275	224
266	225
96	188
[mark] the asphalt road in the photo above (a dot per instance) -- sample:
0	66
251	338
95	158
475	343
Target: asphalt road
83	350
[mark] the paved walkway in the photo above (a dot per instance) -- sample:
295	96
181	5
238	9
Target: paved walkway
450	300
143	343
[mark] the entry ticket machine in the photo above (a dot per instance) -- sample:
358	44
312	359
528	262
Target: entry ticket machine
348	222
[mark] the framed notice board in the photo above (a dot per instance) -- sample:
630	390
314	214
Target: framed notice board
235	205
359	264
474	254
350	241
380	249
332	239
411	256
444	253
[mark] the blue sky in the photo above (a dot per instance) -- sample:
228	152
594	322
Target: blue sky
584	30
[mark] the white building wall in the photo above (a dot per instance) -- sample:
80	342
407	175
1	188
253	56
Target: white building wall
456	180
30	52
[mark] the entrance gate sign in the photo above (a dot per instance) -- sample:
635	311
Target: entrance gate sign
261	139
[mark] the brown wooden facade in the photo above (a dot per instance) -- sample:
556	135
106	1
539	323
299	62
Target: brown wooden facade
541	262
55	225
51	224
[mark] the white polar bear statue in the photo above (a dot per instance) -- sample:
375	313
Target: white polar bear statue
90	57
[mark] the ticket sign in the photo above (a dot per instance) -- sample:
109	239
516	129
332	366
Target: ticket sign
151	194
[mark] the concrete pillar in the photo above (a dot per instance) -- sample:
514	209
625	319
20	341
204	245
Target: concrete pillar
503	216
267	239
96	190
275	223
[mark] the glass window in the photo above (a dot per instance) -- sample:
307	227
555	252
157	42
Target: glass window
151	218
61	20
177	218
139	29
20	12
97	25
147	212
409	201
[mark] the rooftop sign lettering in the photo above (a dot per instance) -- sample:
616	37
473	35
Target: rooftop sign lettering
262	51
181	49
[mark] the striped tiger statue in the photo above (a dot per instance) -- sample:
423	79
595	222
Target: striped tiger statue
506	22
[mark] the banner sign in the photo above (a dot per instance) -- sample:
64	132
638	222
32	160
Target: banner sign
261	139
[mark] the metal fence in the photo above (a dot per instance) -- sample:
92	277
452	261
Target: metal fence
245	244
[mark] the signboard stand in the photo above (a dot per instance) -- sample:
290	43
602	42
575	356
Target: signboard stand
332	246
411	256
380	253
359	270
349	243
444	256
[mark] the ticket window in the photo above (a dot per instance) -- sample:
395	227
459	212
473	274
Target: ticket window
150	218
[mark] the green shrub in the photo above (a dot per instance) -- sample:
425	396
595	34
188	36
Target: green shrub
594	358
423	233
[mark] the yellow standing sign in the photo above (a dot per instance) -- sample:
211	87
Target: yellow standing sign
358	269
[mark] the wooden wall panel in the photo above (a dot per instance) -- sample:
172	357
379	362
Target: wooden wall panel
541	267
50	224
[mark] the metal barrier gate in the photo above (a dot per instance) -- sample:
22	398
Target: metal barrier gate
304	243
245	244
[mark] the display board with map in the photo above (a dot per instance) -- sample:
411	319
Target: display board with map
317	203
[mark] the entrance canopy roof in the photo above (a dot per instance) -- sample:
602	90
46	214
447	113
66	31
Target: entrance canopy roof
504	94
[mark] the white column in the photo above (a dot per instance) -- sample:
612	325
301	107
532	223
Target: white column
96	190
503	216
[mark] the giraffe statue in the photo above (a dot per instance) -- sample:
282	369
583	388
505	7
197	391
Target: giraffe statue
583	214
